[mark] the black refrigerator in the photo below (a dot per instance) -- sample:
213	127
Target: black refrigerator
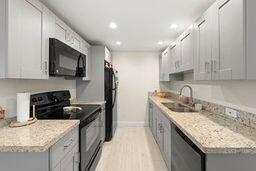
111	85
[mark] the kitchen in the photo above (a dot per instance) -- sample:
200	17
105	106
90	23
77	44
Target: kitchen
117	85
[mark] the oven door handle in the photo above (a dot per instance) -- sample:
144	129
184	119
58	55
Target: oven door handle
89	120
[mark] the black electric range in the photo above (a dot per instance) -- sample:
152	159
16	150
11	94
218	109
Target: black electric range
56	105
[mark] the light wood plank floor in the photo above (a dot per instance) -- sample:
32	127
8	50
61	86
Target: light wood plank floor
132	149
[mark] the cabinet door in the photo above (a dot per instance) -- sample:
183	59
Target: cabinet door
154	122
186	46
24	60
175	53
167	145
76	42
165	66
159	132
202	59
231	39
108	56
172	59
62	31
160	68
71	161
150	116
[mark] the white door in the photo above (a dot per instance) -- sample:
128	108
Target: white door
186	46
202	59
231	39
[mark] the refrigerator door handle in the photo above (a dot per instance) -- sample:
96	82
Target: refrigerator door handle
114	89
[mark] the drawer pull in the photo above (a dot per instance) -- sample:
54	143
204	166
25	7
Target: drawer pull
71	141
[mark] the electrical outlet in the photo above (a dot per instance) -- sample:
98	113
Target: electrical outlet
231	112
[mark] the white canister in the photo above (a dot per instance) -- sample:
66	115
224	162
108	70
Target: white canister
23	106
198	107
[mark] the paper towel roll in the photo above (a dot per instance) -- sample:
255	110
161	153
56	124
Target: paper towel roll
23	106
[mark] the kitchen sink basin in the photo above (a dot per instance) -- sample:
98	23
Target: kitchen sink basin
177	107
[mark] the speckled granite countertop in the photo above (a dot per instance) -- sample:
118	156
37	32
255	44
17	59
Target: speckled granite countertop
212	133
38	137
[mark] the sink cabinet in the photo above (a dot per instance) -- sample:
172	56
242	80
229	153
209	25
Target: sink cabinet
160	127
63	156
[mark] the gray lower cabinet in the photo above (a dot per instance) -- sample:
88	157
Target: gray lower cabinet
150	116
160	127
63	156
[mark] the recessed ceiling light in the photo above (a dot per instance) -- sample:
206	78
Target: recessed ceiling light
173	26
113	25
118	43
160	43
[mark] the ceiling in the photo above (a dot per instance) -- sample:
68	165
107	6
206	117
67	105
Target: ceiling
141	23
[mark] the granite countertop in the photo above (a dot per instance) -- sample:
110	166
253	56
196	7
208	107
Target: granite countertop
212	133
38	137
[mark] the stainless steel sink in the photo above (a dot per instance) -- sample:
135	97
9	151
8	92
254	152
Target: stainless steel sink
177	107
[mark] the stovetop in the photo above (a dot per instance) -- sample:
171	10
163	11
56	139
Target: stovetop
50	105
86	111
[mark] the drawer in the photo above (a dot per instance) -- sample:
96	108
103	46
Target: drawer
62	147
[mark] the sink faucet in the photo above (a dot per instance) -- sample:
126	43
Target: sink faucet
191	92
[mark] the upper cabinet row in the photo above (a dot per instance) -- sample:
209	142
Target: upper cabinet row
178	57
25	29
222	43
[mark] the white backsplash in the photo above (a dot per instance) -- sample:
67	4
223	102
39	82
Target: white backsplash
234	94
9	88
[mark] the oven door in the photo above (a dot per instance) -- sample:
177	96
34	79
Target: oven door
64	59
90	140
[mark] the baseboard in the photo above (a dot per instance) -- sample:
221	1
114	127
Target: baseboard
132	124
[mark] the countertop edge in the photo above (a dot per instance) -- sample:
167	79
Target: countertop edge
35	149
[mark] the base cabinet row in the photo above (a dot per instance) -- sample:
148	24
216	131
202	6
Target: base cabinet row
160	127
162	131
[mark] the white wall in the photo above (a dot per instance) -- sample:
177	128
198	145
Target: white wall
9	88
138	74
236	94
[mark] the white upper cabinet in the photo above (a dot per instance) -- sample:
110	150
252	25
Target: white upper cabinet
175	57
186	48
181	53
225	45
202	48
165	65
65	34
27	30
108	56
232	60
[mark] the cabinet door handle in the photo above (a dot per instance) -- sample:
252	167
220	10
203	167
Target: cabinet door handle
46	67
69	144
207	64
214	66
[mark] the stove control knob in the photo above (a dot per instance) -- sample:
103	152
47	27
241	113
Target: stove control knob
34	100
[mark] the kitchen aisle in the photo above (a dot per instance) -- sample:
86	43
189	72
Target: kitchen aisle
132	149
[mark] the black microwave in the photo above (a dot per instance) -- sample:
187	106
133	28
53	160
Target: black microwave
65	60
